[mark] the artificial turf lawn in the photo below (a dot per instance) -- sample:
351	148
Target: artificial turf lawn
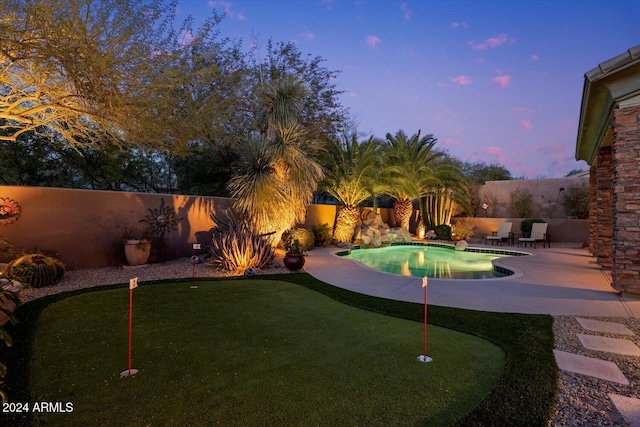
523	394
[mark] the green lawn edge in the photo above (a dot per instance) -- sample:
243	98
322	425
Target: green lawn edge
524	394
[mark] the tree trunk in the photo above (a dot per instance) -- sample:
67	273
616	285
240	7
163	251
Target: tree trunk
346	222
402	210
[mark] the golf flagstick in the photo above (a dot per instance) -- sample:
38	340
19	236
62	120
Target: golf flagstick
423	357
133	283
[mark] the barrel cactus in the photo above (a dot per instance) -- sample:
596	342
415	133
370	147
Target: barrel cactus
36	270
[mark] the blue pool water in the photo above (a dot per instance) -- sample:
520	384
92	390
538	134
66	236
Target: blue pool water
430	261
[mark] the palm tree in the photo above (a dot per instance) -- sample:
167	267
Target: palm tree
349	176
277	171
409	161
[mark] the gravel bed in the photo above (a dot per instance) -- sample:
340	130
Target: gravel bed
582	400
174	269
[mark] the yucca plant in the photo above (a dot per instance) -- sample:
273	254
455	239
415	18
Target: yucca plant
237	246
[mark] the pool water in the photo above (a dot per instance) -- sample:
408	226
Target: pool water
430	261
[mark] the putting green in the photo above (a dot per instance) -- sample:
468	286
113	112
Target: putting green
250	352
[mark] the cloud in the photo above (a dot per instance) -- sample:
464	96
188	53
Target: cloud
308	35
442	84
534	57
226	6
492	154
459	24
373	41
526	124
461	80
502	81
186	37
491	42
406	12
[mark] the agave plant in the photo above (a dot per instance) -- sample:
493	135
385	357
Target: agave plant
237	246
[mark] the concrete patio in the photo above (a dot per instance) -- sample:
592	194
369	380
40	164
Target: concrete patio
555	281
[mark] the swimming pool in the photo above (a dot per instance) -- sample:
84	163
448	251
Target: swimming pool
441	262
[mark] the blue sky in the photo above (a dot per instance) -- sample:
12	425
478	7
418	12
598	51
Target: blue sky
494	81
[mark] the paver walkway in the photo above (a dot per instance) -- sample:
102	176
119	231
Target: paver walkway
629	407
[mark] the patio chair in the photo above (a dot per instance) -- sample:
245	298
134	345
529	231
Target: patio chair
538	234
503	234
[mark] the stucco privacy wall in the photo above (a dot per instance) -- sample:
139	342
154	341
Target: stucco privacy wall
85	227
542	190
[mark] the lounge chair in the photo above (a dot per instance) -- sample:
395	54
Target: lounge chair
538	234
503	234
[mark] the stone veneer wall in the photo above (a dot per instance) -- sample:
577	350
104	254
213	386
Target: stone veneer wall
593	207
604	212
626	199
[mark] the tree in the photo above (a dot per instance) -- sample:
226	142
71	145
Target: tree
320	112
409	159
113	71
446	188
350	169
275	177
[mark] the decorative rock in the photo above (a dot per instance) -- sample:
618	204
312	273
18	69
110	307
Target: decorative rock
249	272
461	245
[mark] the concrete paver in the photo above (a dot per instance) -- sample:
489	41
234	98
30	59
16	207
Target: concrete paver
609	345
590	366
602	326
628	407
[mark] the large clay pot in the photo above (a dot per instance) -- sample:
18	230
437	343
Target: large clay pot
293	261
137	251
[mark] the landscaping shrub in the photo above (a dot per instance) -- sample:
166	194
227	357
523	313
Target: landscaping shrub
521	202
305	236
36	270
527	224
443	232
576	200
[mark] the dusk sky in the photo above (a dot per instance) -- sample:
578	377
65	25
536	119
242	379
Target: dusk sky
494	81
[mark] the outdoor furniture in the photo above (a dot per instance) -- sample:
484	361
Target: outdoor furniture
503	234
538	234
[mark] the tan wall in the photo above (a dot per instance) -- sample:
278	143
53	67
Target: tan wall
560	230
85	227
501	191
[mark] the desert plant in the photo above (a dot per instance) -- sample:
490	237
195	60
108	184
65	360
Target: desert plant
527	224
443	232
304	236
521	202
237	246
7	299
576	201
36	270
463	227
322	233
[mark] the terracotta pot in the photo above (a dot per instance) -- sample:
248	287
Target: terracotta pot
293	261
137	251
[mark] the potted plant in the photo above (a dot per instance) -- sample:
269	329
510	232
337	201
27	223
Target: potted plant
294	258
137	246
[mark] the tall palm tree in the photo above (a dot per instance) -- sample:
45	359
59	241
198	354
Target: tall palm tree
349	174
409	159
277	171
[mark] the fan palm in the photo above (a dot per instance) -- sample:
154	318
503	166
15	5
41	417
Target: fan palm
349	177
409	161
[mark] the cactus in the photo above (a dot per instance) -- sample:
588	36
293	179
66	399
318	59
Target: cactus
36	270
